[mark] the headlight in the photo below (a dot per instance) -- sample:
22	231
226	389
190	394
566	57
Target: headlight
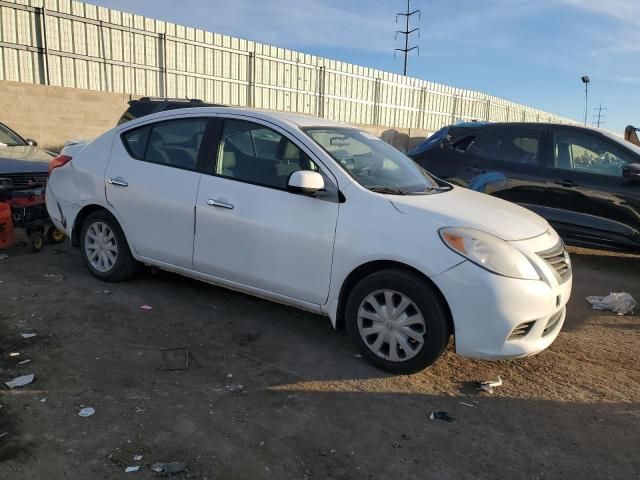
489	252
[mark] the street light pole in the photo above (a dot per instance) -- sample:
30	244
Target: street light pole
586	80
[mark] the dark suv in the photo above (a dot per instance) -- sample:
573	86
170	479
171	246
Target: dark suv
585	182
148	105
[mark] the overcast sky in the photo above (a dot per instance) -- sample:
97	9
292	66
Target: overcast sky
530	51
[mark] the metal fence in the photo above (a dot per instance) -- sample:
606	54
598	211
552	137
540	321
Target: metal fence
78	45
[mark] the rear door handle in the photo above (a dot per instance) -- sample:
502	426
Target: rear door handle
565	183
120	182
220	204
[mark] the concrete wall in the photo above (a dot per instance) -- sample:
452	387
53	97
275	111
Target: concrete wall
53	115
78	45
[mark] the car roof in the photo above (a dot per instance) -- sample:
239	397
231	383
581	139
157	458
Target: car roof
480	125
293	119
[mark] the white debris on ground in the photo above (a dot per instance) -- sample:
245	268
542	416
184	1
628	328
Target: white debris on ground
20	381
620	303
488	386
86	412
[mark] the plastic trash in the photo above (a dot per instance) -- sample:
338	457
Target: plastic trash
488	386
86	412
137	458
28	335
20	381
620	303
442	416
132	469
488	182
169	468
146	307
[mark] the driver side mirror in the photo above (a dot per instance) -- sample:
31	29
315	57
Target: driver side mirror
31	142
631	172
305	182
446	141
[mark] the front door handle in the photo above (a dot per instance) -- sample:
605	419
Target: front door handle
565	183
219	203
120	182
475	170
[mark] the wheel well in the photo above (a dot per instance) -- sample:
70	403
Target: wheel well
80	218
367	269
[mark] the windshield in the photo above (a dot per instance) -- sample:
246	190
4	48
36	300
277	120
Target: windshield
9	138
372	162
434	139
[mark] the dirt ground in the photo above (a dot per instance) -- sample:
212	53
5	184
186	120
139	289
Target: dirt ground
273	392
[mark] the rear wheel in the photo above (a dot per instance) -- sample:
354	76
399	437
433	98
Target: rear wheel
397	321
105	249
36	241
54	235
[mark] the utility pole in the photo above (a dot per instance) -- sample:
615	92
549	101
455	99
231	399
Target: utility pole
406	32
599	115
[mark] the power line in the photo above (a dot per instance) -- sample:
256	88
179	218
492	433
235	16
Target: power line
406	32
599	116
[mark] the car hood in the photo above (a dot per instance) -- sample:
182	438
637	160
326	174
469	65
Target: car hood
23	159
461	207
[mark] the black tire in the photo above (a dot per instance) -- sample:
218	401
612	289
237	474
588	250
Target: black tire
422	294
125	265
36	242
54	235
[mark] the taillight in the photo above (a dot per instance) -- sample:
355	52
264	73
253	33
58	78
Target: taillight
59	161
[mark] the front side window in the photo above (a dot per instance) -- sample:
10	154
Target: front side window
175	143
253	153
578	151
372	162
9	138
514	145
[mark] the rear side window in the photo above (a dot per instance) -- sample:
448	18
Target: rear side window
514	145
175	143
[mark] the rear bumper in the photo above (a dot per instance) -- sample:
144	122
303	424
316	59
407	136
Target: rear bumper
497	317
61	212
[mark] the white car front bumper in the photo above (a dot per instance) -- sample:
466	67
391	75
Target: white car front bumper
498	317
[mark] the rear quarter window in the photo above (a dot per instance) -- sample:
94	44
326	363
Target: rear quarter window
136	141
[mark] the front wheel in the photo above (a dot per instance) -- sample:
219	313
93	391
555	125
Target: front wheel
104	248
397	321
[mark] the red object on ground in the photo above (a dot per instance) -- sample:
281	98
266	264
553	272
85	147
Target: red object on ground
6	226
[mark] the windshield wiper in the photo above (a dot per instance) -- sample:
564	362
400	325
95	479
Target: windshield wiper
388	190
437	189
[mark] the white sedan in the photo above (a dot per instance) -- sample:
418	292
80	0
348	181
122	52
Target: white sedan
321	216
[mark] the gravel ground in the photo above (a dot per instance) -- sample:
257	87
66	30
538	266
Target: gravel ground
273	392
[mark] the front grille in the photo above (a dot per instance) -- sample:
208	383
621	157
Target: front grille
22	180
553	323
559	261
521	330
